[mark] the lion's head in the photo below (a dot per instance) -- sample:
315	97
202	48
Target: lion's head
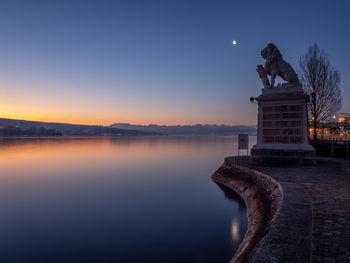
271	53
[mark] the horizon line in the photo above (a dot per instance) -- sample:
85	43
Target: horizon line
129	123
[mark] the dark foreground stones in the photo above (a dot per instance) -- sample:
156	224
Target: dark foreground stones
295	213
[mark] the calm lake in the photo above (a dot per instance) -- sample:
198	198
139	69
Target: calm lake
125	199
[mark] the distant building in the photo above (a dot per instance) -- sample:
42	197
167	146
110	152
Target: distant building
342	117
338	128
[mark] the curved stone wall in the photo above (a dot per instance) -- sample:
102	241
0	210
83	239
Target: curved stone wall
263	197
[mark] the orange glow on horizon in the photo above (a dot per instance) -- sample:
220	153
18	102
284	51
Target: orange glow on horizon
92	120
56	119
26	101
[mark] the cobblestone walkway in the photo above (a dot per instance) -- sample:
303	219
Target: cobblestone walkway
328	185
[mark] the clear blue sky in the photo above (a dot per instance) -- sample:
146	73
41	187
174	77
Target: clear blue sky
167	62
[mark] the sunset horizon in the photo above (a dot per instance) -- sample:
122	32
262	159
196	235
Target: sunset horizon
177	131
99	64
108	123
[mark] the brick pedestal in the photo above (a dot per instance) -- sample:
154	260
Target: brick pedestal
282	125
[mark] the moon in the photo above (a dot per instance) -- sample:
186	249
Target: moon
234	42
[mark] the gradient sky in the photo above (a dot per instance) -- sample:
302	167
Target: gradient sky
165	62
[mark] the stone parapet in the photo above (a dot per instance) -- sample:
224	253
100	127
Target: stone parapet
263	197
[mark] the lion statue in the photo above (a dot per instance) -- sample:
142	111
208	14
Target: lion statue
263	76
275	66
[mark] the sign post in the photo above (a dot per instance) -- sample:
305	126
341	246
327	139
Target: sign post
243	142
347	145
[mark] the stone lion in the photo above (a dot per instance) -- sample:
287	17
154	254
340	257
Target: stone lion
263	76
276	66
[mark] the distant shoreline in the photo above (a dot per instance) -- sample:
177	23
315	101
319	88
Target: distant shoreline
12	127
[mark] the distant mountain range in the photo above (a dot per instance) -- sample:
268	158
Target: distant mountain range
65	129
17	127
197	129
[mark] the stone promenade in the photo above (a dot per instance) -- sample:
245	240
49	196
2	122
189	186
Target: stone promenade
326	190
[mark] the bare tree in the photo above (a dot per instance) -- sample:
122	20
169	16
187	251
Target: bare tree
321	80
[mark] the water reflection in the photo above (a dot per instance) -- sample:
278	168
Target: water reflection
147	199
232	195
236	234
235	230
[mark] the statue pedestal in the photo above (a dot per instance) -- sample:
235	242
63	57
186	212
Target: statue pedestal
282	125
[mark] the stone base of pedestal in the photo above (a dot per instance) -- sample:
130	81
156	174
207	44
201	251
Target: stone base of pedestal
299	153
282	126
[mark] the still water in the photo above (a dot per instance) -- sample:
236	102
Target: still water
125	199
